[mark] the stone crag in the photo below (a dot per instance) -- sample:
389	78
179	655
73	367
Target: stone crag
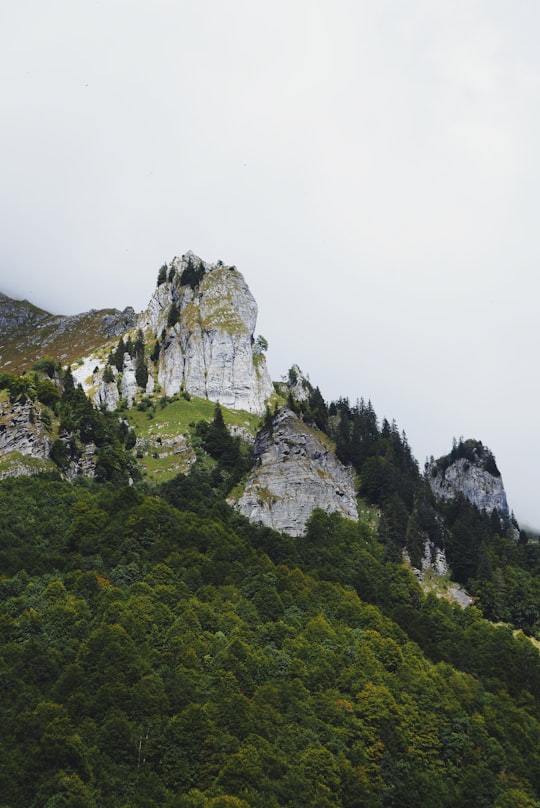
17	313
204	317
22	431
25	444
201	320
469	470
295	472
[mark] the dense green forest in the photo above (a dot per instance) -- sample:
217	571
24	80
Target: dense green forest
486	552
157	649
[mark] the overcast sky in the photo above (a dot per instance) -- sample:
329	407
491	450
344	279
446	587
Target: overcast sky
371	167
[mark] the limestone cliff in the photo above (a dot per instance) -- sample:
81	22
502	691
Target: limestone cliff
470	469
25	443
295	472
204	318
201	320
22	431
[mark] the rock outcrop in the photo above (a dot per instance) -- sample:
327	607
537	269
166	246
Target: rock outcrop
22	431
25	443
83	464
470	469
201	318
434	559
295	472
117	322
16	313
106	394
129	381
299	385
204	318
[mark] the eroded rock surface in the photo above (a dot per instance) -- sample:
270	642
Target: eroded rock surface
204	318
295	472
475	475
22	431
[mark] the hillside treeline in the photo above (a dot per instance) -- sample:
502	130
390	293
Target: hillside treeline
159	650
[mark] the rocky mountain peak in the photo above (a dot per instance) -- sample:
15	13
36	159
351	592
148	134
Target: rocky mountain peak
203	317
298	384
469	469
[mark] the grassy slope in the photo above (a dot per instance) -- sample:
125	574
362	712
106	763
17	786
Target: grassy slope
65	340
159	427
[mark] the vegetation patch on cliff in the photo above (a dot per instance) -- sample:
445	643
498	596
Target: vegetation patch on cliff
159	423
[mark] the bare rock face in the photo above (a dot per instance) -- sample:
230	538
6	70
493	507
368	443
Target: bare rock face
22	431
434	559
129	381
204	318
84	464
106	393
15	313
118	322
470	469
295	472
24	440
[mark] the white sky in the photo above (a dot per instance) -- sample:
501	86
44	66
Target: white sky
372	168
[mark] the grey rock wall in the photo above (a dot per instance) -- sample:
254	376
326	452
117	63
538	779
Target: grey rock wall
295	472
483	489
21	430
210	351
22	433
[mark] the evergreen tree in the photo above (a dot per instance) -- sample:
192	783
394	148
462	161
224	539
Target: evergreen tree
174	315
222	446
116	358
154	356
162	275
192	275
317	410
108	375
141	368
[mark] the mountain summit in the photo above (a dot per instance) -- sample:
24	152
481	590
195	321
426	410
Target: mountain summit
469	469
155	375
203	318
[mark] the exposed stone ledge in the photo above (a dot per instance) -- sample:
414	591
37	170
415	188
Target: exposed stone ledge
295	472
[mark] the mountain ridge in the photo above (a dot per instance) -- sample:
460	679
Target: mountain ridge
205	606
196	337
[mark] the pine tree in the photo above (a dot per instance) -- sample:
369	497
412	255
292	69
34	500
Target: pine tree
162	275
108	375
116	358
141	368
174	315
192	275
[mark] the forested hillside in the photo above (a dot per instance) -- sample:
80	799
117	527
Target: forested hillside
158	649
